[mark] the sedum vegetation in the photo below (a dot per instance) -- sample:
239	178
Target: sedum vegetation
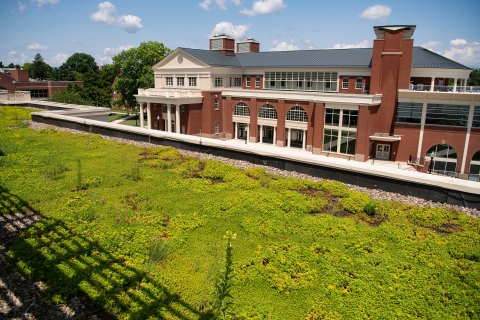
141	232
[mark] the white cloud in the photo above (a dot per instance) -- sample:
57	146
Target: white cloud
263	7
45	2
363	44
464	52
21	7
37	46
107	13
308	44
222	4
12	54
59	59
283	46
16	58
376	12
113	51
458	42
73	41
227	27
103	60
431	44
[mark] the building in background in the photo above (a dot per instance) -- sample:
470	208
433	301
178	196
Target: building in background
15	79
390	102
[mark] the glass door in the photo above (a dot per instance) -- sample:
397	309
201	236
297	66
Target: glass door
383	151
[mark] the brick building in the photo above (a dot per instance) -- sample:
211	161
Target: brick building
390	102
15	79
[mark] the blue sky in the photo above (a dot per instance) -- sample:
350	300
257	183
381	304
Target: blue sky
59	28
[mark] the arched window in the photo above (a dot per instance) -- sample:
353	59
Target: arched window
241	109
297	114
267	111
475	167
444	159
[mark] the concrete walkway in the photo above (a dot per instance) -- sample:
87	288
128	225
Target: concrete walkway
124	118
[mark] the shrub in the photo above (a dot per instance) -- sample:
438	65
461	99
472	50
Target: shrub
355	202
370	208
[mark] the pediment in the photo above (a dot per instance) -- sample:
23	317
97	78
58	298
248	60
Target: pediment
179	59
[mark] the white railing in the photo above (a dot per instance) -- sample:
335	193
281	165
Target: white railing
169	93
466	89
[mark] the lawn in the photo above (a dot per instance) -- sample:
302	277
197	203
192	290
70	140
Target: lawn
144	233
115	116
134	121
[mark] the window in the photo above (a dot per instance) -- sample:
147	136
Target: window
447	115
248	81
169	81
164	109
257	81
409	112
182	108
172	109
340	133
216	127
180	82
241	109
297	114
216	103
238	82
39	93
192	82
475	167
476	117
267	111
345	83
301	81
218	82
359	84
444	159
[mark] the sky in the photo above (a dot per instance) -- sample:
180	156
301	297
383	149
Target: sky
59	28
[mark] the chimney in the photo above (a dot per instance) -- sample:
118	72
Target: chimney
248	45
224	43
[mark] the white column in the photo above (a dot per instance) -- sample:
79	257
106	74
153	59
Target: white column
141	115
274	136
455	85
422	128
467	137
169	118
177	118
304	139
236	130
149	116
465	85
432	84
261	133
289	137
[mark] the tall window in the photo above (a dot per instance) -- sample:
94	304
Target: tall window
340	133
216	127
444	159
301	81
359	84
169	81
475	167
248	81
218	82
297	114
257	82
241	109
476	117
180	82
192	82
267	111
345	83
216	103
409	112
238	82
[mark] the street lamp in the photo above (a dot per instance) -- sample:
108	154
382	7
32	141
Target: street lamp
246	134
158	122
430	168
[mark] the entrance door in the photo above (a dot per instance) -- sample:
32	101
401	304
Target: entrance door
383	151
242	132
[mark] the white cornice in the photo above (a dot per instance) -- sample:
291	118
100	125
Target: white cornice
440	73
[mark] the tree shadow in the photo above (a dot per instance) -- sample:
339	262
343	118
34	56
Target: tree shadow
73	265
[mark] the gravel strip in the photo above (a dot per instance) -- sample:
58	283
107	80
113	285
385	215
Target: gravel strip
373	193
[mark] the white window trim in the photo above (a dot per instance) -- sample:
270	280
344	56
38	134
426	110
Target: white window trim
361	83
247	82
339	128
345	85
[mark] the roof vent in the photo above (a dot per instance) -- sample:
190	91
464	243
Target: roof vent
223	42
248	45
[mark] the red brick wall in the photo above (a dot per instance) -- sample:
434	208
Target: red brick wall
408	145
193	123
210	115
318	125
252	82
352	81
6	81
19	75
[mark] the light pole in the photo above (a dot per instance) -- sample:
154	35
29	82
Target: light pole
430	168
158	122
246	134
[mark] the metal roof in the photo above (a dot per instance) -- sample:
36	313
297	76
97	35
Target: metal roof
424	58
325	58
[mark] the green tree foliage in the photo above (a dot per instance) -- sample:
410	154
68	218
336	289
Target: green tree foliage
71	94
76	66
27	66
474	79
39	69
136	65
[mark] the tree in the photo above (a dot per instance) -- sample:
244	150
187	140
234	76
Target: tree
136	69
39	69
474	79
27	66
76	66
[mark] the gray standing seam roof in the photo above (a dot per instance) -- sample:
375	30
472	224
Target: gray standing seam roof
326	58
